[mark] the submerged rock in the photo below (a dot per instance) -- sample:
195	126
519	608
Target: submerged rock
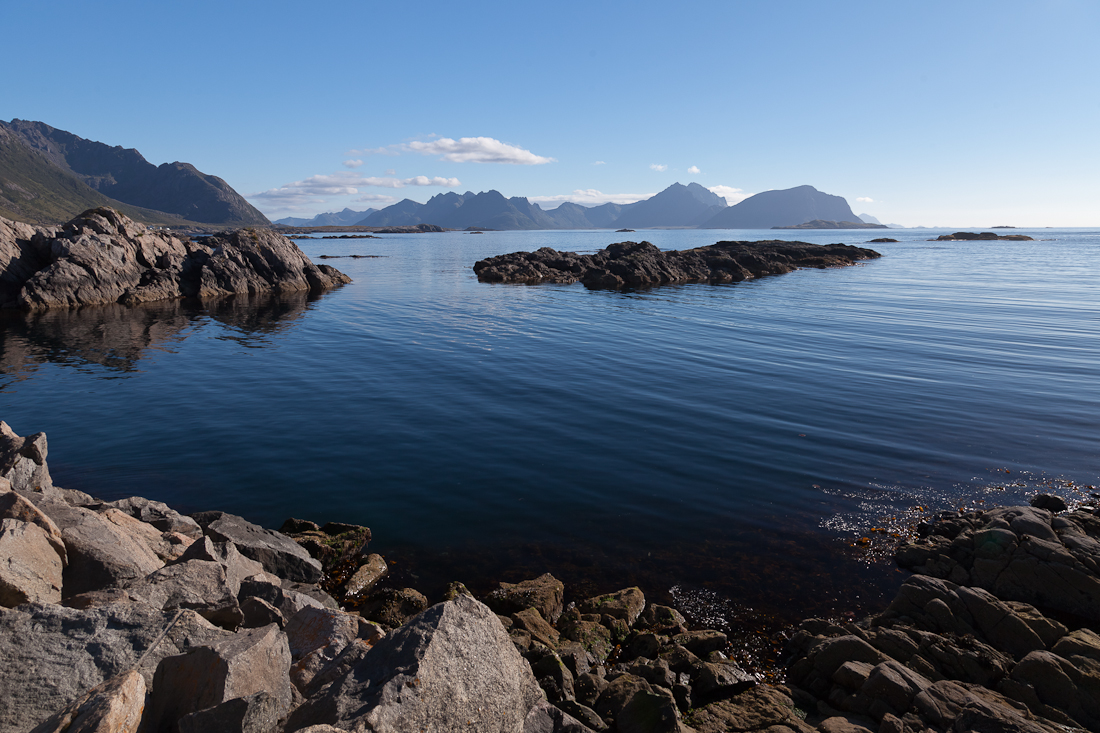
641	264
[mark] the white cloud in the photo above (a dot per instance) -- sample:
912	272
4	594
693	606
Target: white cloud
391	172
590	197
730	194
476	150
659	167
865	200
376	198
599	162
352	163
343	183
376	151
693	169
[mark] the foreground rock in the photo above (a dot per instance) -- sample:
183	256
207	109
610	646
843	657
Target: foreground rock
103	257
640	264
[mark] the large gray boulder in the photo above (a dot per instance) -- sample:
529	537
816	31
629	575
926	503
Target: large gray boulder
452	668
104	257
278	554
23	460
51	655
30	568
14	506
101	554
246	663
115	706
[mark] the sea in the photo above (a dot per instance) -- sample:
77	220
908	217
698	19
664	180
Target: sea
743	451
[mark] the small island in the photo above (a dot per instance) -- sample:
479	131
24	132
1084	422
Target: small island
981	236
641	264
825	224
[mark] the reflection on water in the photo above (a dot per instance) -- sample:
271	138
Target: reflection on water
118	337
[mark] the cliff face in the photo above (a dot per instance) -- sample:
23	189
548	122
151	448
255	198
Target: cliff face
125	175
104	257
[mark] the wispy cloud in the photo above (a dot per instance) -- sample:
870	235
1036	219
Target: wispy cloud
659	167
463	150
865	200
352	163
376	198
476	150
599	162
590	197
730	194
694	169
343	183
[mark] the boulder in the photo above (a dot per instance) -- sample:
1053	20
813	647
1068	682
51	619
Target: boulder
23	460
626	604
100	553
650	711
52	655
451	668
278	554
167	546
313	628
259	712
543	593
30	568
237	567
14	506
391	606
158	514
546	718
756	709
363	579
114	706
197	585
531	621
248	662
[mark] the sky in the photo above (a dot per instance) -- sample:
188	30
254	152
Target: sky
962	113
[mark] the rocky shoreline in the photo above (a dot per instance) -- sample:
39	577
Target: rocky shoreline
127	616
103	257
641	264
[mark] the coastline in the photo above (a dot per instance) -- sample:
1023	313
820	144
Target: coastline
946	654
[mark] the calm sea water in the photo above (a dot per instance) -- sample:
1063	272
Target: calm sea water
729	439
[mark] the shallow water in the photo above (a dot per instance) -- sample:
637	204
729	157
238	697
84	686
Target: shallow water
735	438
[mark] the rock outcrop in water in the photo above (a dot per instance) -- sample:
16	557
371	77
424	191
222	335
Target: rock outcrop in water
103	257
981	236
127	616
641	264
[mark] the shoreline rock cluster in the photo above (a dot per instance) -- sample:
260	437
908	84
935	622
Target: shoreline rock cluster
981	236
127	616
104	257
641	264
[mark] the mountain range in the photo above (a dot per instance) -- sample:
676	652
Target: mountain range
344	218
48	176
677	206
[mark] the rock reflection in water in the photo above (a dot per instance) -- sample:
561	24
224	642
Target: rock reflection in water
118	337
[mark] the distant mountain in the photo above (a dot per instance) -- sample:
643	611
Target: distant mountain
868	219
344	218
789	207
177	189
676	206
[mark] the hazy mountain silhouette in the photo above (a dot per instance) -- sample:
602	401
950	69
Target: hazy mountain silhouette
788	207
676	206
123	174
344	218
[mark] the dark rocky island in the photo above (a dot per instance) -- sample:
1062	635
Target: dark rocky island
127	616
641	264
882	240
981	236
104	257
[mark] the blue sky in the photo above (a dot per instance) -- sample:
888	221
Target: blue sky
971	113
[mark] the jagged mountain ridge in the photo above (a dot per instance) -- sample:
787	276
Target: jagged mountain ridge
179	190
677	206
347	217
